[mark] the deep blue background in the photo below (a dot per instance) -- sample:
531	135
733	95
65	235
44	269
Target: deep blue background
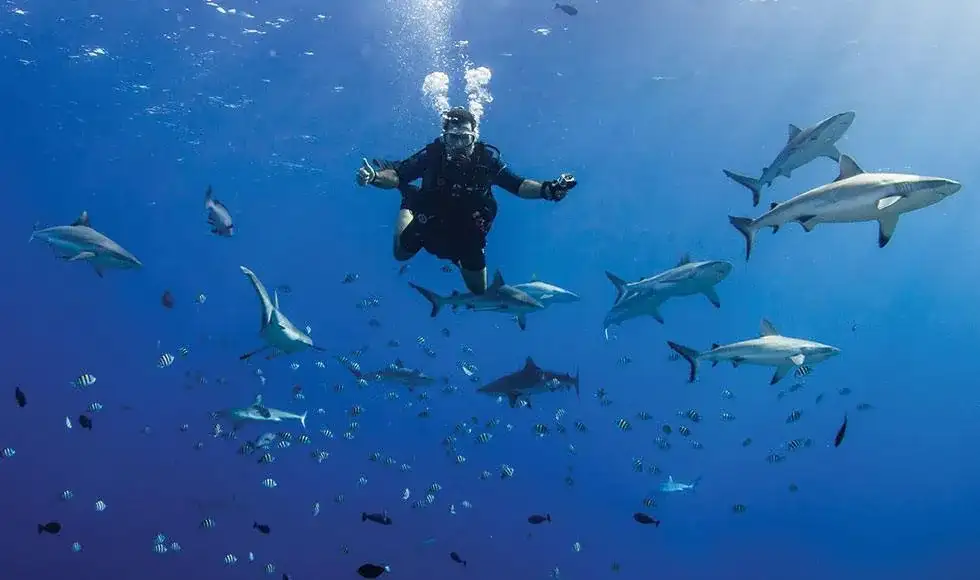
646	102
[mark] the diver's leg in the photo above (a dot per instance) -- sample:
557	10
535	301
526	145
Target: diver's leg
473	267
404	248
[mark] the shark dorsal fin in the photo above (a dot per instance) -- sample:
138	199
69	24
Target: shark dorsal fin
773	205
258	400
498	281
670	478
399	363
529	365
534	277
793	132
768	329
618	282
848	167
275	299
82	220
208	196
685	259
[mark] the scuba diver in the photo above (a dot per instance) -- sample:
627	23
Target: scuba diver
451	213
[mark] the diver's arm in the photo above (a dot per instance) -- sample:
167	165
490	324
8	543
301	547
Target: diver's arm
529	189
386	179
532	189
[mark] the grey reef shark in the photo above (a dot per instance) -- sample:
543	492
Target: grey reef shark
279	334
80	242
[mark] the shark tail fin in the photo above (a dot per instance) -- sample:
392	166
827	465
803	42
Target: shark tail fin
619	283
744	227
694	484
434	299
754	185
302	419
690	355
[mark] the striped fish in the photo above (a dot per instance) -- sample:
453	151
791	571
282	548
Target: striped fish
166	359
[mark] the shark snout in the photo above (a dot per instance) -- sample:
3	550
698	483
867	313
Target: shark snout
949	187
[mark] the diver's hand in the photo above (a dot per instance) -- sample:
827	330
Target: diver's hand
557	190
366	173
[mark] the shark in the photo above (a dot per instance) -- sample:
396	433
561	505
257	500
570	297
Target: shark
769	349
279	334
855	196
400	374
802	146
499	297
547	294
530	380
219	218
644	297
671	486
79	242
258	412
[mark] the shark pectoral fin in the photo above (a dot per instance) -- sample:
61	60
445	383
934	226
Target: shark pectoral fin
889	201
522	321
781	372
808	222
831	152
655	313
886	228
712	297
80	256
798	359
736	361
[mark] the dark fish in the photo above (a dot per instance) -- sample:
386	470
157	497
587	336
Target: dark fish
381	518
455	557
219	218
371	570
85	422
21	398
566	8
536	519
261	527
50	527
645	519
167	300
839	438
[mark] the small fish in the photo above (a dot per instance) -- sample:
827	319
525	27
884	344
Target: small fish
206	524
167	300
20	397
839	438
455	558
646	519
262	528
50	528
372	570
537	519
166	359
84	380
739	508
85	422
566	8
219	218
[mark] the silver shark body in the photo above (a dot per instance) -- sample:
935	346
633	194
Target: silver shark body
547	294
499	297
769	349
219	218
672	486
855	196
257	412
530	380
802	147
643	298
79	242
278	333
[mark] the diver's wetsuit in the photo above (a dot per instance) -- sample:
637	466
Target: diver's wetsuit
454	208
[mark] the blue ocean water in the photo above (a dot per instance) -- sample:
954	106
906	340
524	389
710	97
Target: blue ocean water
129	110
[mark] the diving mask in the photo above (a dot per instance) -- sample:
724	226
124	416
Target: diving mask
459	141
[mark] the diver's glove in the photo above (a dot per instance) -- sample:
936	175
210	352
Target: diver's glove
557	190
366	173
